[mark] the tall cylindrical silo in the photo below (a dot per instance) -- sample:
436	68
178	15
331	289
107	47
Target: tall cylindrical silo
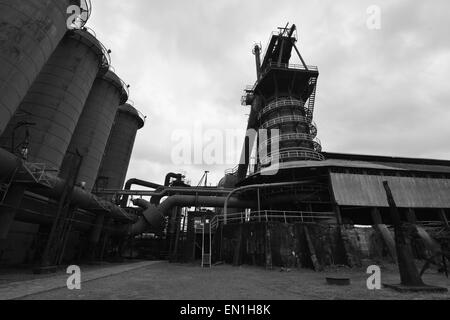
53	105
94	127
30	30
117	156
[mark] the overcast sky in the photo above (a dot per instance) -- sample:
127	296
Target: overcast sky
381	92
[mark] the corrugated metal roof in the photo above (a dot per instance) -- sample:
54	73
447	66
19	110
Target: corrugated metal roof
368	190
358	164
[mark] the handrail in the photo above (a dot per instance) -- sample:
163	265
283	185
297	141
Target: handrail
294	118
284	119
106	59
125	86
291	66
142	116
280	103
292	137
260	186
304	155
232	171
271	215
39	172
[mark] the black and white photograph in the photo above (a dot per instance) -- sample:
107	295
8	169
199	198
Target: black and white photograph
224	155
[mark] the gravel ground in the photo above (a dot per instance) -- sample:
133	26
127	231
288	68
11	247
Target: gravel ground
10	275
180	281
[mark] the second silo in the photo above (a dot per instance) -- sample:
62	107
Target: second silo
94	127
118	152
30	30
53	105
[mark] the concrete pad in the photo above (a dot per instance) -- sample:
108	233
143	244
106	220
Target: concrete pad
404	289
21	289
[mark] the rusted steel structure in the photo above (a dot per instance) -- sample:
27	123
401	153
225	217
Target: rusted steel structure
66	153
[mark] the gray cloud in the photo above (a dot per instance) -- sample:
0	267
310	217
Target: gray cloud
380	92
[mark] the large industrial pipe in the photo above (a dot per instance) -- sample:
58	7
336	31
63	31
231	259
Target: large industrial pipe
39	210
81	198
29	33
172	175
159	188
138	182
154	217
142	183
260	186
155	200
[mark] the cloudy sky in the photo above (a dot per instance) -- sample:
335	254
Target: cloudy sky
383	92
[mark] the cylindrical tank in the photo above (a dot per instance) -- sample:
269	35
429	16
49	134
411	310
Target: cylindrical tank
53	105
30	30
94	127
117	156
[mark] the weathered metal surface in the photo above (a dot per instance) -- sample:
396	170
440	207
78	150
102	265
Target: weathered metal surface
56	99
30	30
367	190
119	148
94	127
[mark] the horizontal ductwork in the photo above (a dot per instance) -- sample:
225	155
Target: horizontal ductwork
53	187
154	216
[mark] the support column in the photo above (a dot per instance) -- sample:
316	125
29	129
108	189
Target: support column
376	216
8	211
408	272
411	216
171	231
443	217
174	254
268	247
383	230
105	237
336	208
94	236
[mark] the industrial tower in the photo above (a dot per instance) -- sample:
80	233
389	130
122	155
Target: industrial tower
282	98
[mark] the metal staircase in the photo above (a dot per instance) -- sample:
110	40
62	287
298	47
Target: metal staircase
312	99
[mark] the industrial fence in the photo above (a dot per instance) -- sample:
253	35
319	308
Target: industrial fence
272	216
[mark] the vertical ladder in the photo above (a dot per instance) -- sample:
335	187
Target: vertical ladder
206	249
